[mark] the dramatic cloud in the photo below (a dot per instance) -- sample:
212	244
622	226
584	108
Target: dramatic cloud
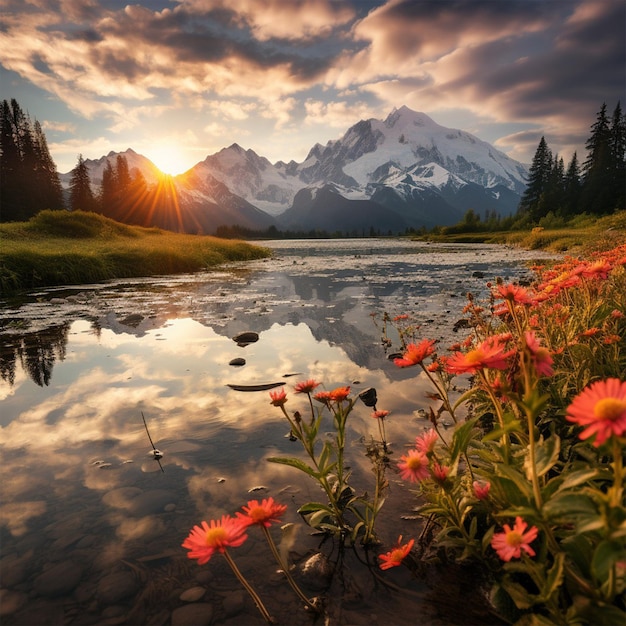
514	69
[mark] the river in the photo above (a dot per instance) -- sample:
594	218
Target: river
92	523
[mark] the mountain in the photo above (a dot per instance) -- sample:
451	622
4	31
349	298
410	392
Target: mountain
405	171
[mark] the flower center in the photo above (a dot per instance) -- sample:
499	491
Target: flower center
474	356
215	536
258	514
609	409
414	462
514	539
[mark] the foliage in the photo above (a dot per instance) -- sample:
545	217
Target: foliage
533	356
61	247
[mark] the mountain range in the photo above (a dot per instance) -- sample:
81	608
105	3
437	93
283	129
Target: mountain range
405	171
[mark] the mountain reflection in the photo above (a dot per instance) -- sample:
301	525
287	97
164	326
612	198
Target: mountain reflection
37	353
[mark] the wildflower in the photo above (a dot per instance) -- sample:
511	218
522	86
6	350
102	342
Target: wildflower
399	318
515	293
323	397
380	414
590	332
394	557
416	353
278	398
611	339
511	542
617	315
481	490
306	386
489	354
262	514
597	269
413	466
425	442
339	394
601	408
542	360
440	472
204	540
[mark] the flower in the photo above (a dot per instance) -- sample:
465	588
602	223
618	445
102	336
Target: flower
413	466
323	396
339	394
541	357
601	408
511	542
416	353
306	386
490	353
394	557
440	472
262	514
380	414
204	540
278	398
425	442
515	293
597	269
481	490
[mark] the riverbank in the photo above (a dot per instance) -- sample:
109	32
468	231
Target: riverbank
582	235
57	247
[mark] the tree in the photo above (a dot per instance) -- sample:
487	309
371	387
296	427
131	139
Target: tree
81	196
106	198
538	176
571	188
598	167
617	144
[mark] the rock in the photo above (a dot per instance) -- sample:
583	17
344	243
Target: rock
237	362
234	603
316	571
132	320
59	580
243	339
197	614
11	601
478	274
116	586
192	595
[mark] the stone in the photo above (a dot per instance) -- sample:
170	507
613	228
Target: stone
316	571
246	338
197	614
192	595
58	580
11	601
234	603
238	362
116	586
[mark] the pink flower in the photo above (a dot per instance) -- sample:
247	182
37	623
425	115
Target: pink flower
262	514
489	354
601	408
541	357
306	386
416	353
207	539
278	398
394	557
413	466
481	490
425	442
380	414
440	472
511	542
515	293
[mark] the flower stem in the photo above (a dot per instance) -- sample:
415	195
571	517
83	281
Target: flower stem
285	569
268	618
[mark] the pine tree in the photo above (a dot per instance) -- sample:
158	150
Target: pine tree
617	142
571	188
538	176
48	178
597	168
81	196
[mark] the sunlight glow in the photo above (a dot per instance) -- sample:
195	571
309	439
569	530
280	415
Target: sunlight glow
169	158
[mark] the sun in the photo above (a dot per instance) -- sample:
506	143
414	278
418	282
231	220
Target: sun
169	158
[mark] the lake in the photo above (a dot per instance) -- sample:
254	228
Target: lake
92	524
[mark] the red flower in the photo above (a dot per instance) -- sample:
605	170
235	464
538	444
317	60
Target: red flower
481	490
339	394
323	396
413	466
515	293
597	269
440	472
541	357
416	353
394	557
306	386
489	354
601	408
262	514
278	398
511	542
380	414
204	540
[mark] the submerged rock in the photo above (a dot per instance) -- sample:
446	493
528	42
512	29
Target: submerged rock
238	362
243	339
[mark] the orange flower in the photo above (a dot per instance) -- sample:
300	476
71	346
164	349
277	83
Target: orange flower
204	540
262	514
395	557
413	466
511	542
489	354
340	394
306	386
278	398
541	357
380	414
515	293
416	353
601	408
598	269
323	396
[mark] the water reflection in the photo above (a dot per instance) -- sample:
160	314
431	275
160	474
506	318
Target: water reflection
83	496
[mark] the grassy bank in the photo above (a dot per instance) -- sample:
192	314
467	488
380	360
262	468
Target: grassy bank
61	248
579	236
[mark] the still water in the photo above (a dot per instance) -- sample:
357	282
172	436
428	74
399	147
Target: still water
91	524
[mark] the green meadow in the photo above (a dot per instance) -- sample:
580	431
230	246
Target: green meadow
62	248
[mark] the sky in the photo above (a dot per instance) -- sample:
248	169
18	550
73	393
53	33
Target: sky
178	80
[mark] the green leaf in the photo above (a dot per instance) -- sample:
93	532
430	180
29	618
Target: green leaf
297	463
311	507
316	520
524	488
554	579
605	556
534	619
569	506
461	438
578	477
546	456
519	595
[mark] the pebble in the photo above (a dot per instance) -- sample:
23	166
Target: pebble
116	586
192	595
197	614
238	362
11	601
234	603
59	580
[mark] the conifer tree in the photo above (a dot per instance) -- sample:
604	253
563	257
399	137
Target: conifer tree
571	188
597	195
617	142
81	196
106	199
538	176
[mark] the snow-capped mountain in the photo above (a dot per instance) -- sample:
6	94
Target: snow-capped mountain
386	175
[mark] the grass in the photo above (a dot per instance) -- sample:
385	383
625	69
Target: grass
581	235
62	248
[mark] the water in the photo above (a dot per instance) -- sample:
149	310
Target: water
92	524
